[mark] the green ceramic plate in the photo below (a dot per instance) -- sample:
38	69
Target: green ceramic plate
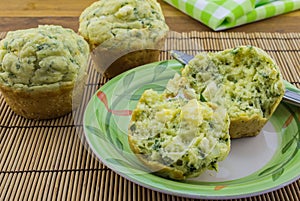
254	166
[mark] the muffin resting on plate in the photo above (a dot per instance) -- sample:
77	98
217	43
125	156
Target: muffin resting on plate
178	138
123	33
245	80
39	68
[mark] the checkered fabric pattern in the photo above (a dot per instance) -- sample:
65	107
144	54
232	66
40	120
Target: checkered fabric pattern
225	14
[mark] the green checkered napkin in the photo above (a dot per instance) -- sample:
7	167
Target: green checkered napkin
224	14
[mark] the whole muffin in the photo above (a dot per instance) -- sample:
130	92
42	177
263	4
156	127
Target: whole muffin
245	80
178	138
123	33
39	68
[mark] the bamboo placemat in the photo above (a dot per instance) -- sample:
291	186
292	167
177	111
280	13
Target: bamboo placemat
46	160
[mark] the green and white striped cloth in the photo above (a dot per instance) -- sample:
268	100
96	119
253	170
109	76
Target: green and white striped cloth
225	14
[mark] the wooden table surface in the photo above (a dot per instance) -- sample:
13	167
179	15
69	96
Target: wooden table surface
29	13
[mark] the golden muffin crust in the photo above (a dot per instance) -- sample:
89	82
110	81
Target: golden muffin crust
123	34
39	68
133	23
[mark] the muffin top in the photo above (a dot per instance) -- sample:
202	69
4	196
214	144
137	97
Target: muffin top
42	56
130	23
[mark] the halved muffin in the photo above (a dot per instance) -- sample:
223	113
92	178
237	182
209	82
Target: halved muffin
245	80
178	138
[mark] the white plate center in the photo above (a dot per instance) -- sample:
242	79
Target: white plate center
247	156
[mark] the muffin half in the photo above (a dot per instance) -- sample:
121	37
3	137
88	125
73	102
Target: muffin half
245	80
178	138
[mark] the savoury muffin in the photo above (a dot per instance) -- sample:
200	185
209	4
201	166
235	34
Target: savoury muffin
123	33
178	138
245	80
39	68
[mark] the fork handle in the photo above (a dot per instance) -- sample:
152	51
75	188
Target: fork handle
291	97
